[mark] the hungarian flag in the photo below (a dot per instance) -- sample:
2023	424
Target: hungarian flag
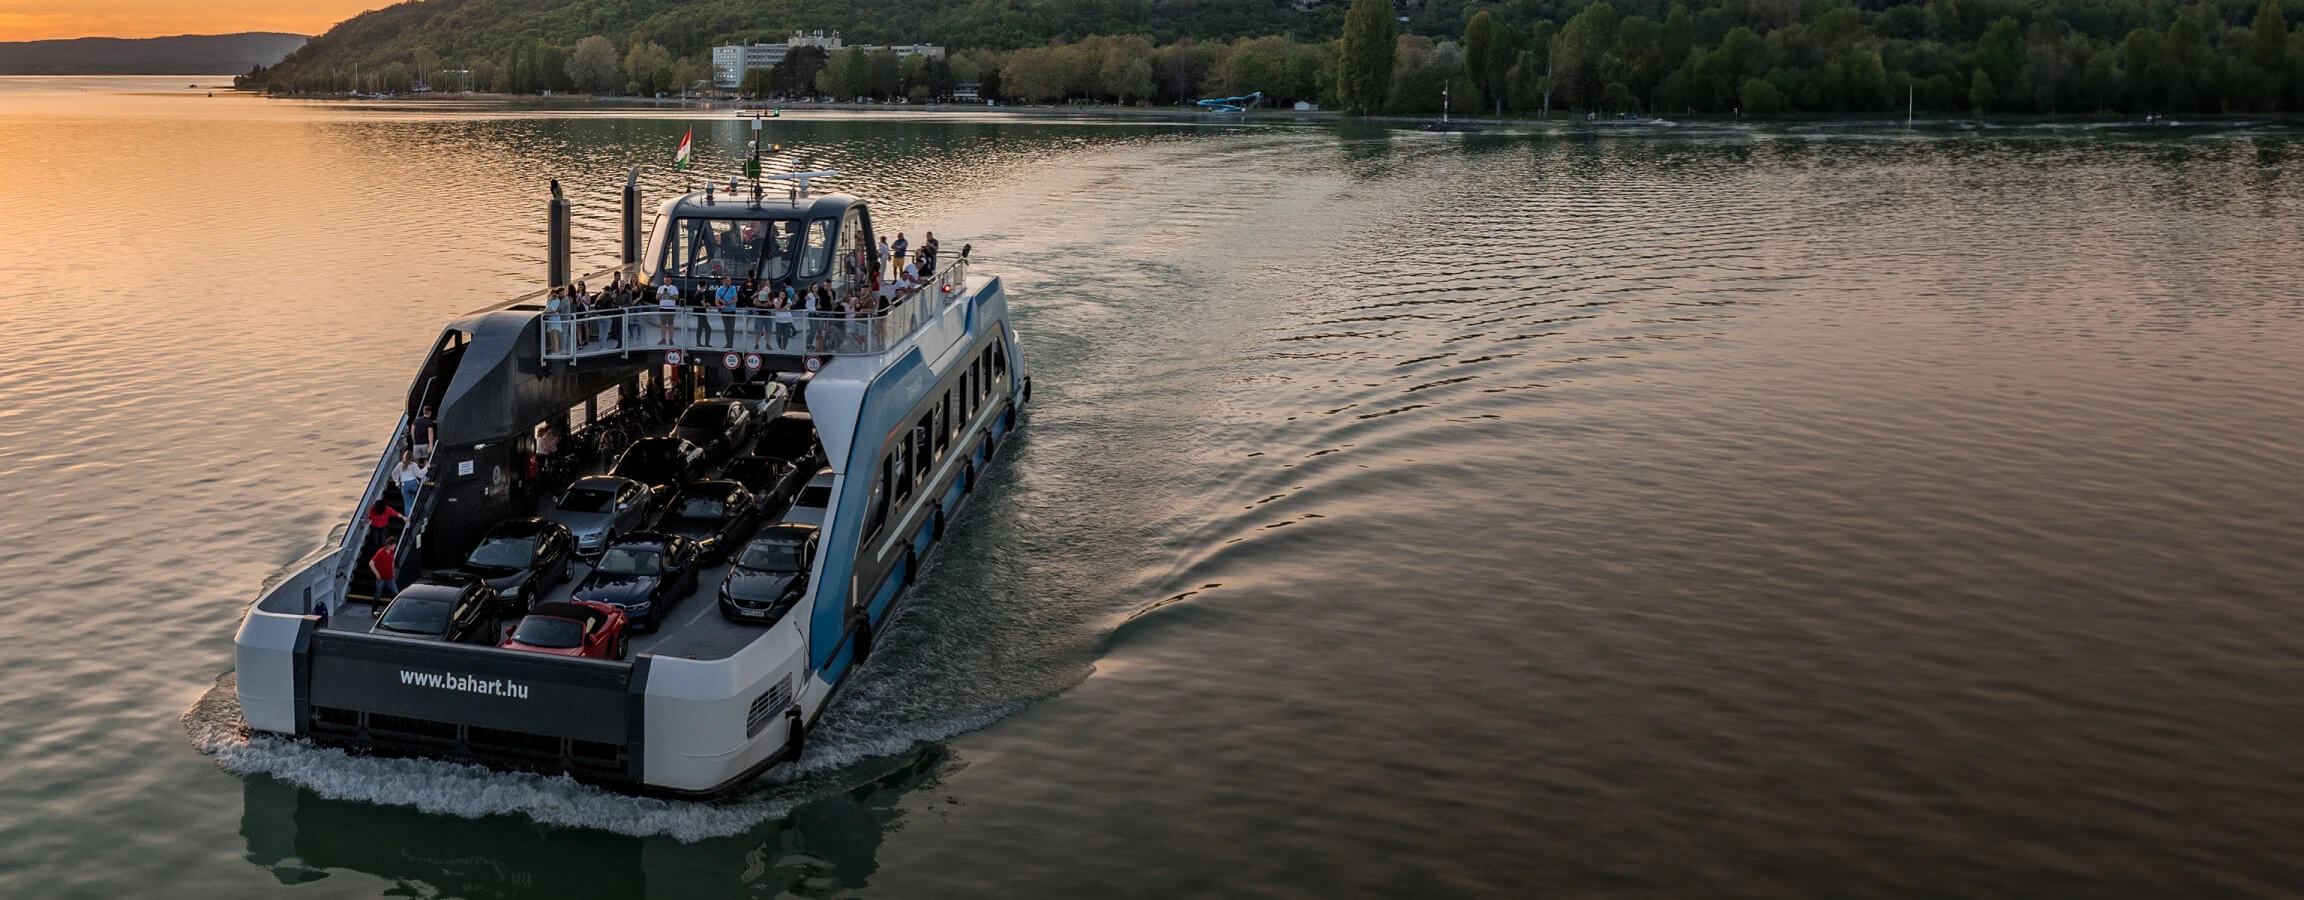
687	143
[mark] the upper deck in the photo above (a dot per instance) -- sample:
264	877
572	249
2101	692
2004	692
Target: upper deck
750	330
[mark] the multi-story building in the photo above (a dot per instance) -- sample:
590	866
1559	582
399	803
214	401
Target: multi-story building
730	63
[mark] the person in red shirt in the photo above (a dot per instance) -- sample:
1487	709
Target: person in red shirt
381	514
386	567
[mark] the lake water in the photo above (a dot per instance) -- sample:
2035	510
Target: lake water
1710	510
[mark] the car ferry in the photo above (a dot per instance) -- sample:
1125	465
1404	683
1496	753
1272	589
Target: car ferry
881	421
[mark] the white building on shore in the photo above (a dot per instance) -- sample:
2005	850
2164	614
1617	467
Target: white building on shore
731	62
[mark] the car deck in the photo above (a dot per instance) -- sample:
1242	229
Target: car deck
693	628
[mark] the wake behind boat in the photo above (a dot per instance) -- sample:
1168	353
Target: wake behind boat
656	533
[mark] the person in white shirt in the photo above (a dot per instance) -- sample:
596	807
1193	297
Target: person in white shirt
667	304
556	314
410	475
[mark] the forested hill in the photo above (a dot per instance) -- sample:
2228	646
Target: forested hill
456	30
1667	57
185	54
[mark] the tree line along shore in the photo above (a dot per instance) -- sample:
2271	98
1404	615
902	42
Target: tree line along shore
1521	58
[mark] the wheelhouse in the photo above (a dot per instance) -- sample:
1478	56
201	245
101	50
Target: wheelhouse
797	240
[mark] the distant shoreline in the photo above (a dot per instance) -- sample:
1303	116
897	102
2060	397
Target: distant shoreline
1311	117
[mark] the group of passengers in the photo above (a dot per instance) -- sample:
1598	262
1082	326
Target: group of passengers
753	311
389	515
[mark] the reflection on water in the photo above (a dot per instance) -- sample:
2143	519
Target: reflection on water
825	846
1806	509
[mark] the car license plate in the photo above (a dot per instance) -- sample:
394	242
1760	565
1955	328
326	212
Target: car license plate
754	613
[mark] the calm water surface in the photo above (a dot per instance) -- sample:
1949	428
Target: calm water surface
1696	511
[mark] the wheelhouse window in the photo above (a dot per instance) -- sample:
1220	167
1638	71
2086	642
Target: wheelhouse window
818	256
856	253
714	248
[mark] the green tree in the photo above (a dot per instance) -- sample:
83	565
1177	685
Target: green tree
884	75
1480	62
1365	74
846	76
795	74
428	67
2000	52
1759	97
592	66
1033	75
1582	55
647	68
1980	93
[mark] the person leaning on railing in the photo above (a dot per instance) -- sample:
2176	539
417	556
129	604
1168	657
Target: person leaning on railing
667	306
555	319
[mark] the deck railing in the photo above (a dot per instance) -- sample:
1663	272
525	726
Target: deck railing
796	332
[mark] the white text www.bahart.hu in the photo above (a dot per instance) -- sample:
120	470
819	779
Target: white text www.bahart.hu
492	686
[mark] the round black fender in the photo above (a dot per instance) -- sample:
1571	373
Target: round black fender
911	567
795	734
1027	388
939	530
863	641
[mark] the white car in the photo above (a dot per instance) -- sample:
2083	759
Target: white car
808	507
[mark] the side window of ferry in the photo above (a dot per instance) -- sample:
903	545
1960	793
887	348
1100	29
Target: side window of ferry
999	360
900	467
819	255
876	508
921	455
950	422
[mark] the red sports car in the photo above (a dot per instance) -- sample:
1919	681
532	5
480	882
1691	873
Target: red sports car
578	628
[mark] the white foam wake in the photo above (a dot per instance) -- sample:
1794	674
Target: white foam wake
215	727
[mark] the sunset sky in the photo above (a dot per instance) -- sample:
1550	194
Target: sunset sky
32	20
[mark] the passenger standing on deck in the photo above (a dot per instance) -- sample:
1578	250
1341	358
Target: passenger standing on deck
780	307
421	436
556	321
900	246
579	303
410	475
882	262
385	565
700	301
667	304
928	250
725	298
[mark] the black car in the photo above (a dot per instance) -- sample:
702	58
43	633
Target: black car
443	606
661	463
720	426
642	574
772	481
521	559
792	436
766	399
770	576
717	515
